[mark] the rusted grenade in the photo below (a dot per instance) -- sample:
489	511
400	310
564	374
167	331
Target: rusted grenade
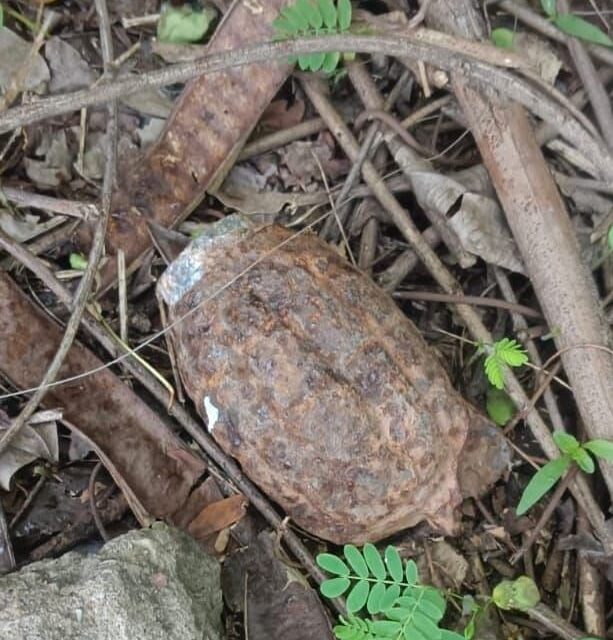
311	377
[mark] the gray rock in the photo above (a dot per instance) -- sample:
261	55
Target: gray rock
153	584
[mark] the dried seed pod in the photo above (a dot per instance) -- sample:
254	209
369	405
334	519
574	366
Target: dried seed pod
311	377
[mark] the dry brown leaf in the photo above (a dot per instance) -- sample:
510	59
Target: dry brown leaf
37	439
278	115
218	516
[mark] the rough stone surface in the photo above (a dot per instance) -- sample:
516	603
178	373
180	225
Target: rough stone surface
312	378
153	584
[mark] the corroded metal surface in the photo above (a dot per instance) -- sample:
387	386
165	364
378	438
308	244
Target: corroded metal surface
311	377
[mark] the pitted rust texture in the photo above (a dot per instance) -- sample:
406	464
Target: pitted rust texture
212	118
313	379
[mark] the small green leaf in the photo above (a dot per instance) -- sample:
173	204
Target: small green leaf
183	25
426	626
316	60
500	407
411	572
600	448
399	613
503	38
575	26
387	628
610	237
304	62
521	594
394	563
374	562
391	595
541	482
411	632
435	599
549	7
1	15
511	352
328	13
406	601
77	261
283	26
311	11
334	587
431	610
584	460
357	596
373	605
344	14
355	560
297	19
331	61
493	371
332	564
566	442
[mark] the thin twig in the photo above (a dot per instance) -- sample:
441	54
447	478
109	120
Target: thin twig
60	206
92	502
474	300
407	45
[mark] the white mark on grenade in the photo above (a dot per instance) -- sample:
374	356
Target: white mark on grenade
212	414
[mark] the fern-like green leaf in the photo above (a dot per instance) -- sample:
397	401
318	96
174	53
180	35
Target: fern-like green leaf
411	572
296	18
312	13
354	628
309	18
334	587
392	593
283	26
394	563
426	626
328	13
511	352
494	371
332	564
331	61
344	14
377	593
374	561
435	599
316	60
358	596
355	560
